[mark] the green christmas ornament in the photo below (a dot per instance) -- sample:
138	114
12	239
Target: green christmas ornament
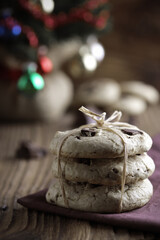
30	83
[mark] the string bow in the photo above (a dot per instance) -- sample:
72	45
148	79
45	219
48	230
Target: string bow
100	118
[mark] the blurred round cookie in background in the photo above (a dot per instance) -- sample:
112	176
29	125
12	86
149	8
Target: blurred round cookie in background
130	104
149	93
136	96
101	92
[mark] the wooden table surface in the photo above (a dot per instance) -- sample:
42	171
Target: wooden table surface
20	177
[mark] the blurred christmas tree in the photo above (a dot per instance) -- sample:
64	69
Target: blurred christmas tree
29	28
26	25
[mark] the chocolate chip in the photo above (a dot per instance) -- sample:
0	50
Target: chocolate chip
86	161
78	137
29	150
95	185
131	132
88	132
4	207
115	170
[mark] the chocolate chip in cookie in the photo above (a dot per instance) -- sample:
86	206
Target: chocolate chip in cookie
131	132
88	132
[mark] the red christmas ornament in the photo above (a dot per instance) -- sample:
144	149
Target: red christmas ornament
46	64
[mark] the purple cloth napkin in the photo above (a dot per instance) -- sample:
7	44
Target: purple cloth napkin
146	218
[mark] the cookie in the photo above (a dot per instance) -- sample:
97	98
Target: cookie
105	171
100	198
102	92
141	89
93	142
130	104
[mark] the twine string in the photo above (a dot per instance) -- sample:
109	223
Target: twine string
101	123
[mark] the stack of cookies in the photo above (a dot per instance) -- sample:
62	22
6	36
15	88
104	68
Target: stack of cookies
91	162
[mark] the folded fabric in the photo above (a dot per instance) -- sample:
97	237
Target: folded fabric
146	218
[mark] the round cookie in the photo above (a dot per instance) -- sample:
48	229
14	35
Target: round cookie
133	105
102	92
98	198
141	89
99	143
105	171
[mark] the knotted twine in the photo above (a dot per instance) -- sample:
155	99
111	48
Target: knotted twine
108	125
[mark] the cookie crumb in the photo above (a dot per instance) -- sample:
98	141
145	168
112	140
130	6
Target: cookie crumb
4	207
29	150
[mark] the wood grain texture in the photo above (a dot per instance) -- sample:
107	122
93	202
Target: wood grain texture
20	177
